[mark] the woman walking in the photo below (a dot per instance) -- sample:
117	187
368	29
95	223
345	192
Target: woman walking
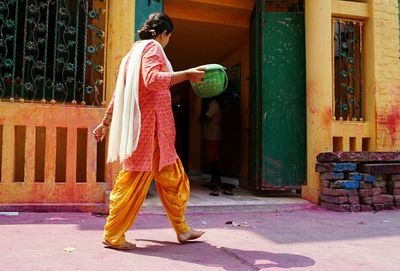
142	135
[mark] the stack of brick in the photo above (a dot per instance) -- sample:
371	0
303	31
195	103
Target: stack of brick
359	181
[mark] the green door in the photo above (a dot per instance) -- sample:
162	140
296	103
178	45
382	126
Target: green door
278	99
143	8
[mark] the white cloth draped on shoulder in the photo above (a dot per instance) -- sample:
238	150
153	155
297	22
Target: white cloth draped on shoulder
126	119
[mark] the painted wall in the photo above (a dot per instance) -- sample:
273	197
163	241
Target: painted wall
380	129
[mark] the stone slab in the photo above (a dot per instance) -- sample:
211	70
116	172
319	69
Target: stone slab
376	169
334	192
358	157
333	199
335	167
332	176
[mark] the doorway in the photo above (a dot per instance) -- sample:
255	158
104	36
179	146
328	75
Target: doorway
212	32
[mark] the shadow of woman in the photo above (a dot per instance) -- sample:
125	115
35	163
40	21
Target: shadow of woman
231	259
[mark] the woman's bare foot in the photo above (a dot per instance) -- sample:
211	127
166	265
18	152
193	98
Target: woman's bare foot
124	246
189	235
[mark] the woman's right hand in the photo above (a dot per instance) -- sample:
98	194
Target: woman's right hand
100	132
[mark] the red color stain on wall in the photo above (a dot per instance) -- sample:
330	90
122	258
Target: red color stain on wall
327	116
393	123
311	89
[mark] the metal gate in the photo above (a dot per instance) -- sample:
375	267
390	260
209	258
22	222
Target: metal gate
52	51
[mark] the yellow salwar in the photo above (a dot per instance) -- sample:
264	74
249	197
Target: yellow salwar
130	191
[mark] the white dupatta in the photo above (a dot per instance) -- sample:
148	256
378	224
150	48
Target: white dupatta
126	119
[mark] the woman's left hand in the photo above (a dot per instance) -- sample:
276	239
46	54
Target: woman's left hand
195	74
100	132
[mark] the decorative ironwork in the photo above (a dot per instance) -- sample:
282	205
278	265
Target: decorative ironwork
348	69
52	51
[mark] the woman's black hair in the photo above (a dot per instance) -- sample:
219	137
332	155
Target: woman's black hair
155	24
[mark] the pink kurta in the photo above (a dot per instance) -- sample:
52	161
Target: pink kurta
156	113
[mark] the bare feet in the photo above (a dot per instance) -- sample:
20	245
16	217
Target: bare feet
124	246
189	235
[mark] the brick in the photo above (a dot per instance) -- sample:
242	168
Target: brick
331	176
376	169
334	192
380	177
333	199
368	178
383	190
389	206
378	207
395	177
347	184
396	198
367	200
352	192
336	207
377	190
335	167
366	208
365	185
366	193
358	157
382	198
354	200
354	176
379	184
355	208
324	183
393	191
393	184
